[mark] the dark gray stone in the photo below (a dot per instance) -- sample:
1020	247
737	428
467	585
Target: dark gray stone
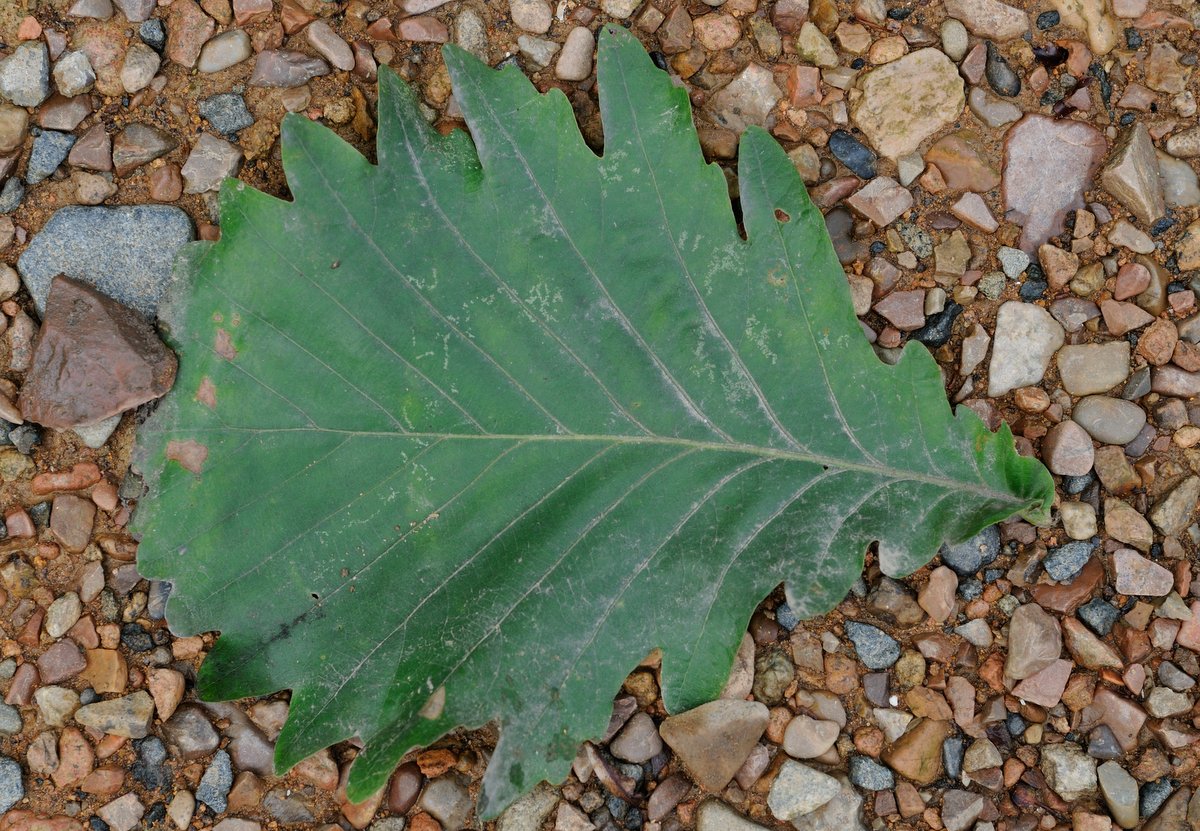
12	790
50	149
869	775
125	252
226	112
876	649
11	195
216	782
1098	615
1064	562
968	557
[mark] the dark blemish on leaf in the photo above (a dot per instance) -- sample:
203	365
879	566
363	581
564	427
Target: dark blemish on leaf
782	215
207	393
223	345
190	454
777	278
235	320
218	317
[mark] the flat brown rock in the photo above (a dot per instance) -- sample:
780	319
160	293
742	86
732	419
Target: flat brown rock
94	359
1032	199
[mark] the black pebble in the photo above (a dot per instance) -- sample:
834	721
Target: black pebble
1132	39
1161	225
1048	20
936	330
899	14
136	638
1032	290
877	247
660	60
1000	75
853	154
1126	119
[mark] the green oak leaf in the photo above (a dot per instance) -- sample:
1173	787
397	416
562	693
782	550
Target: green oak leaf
460	437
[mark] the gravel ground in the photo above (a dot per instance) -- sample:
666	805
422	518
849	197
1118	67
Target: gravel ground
1013	185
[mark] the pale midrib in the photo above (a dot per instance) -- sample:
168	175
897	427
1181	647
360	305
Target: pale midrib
771	453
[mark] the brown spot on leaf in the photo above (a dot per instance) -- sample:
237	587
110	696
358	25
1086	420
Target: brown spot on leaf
190	454
782	215
207	394
224	345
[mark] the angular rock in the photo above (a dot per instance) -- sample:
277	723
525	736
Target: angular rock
714	739
799	790
1069	771
1173	513
843	812
1131	174
1137	575
138	144
1045	687
129	716
917	755
882	200
25	74
1072	149
989	18
1026	338
283	68
126	252
210	162
906	101
746	100
86	335
1120	792
1034	642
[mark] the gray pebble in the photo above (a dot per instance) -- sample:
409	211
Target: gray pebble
125	252
50	149
226	112
25	74
869	775
1064	562
216	782
10	720
12	790
876	649
11	195
968	557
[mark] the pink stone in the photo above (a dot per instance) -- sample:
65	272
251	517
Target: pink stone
904	309
1045	687
1132	280
1037	143
882	200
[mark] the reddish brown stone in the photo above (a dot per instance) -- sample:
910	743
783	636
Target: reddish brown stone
188	28
94	359
93	151
1066	598
82	475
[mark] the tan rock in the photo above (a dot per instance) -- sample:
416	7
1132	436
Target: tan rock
1131	174
908	100
989	18
713	740
917	755
1123	523
1092	16
1034	642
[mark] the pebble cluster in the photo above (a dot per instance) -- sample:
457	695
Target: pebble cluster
1012	184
